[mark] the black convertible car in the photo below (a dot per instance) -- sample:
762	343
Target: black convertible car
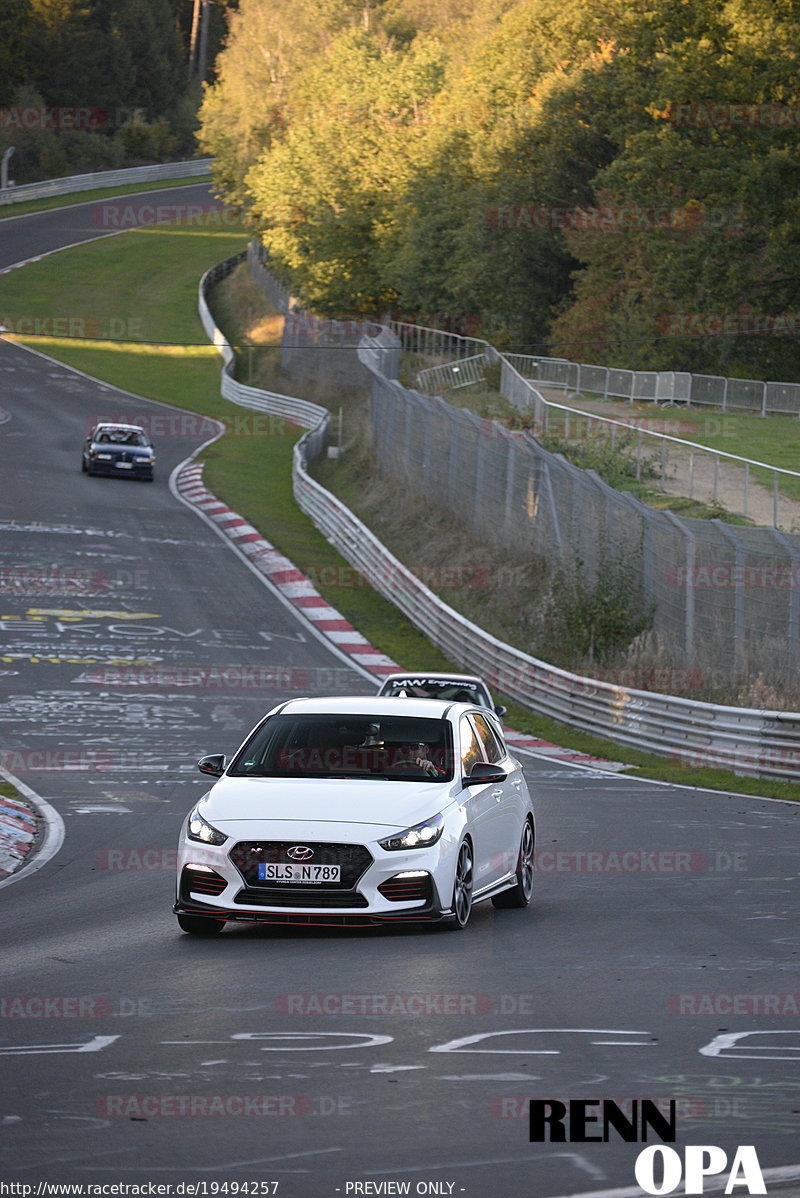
121	449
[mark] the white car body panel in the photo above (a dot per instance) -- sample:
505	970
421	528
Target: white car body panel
269	817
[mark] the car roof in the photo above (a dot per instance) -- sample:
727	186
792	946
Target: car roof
441	675
370	705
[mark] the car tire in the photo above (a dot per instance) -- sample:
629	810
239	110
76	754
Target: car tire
519	895
83	464
462	887
200	925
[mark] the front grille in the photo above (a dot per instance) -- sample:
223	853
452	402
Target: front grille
247	855
299	897
407	890
201	881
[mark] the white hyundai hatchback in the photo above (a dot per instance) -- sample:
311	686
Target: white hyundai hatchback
358	811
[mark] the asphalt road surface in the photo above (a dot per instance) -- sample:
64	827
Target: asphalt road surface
658	961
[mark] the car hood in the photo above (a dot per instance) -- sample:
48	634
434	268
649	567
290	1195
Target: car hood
357	801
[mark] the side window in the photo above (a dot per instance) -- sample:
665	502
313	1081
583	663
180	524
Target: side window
492	748
470	748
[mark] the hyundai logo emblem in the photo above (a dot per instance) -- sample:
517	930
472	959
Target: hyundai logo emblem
300	852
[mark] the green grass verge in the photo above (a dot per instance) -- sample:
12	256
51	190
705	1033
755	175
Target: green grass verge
773	439
47	203
152	274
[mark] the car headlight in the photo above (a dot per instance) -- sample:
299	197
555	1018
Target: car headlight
200	829
105	456
421	836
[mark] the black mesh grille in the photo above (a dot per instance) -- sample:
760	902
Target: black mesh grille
353	859
299	897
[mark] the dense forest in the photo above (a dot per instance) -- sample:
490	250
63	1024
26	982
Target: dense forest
615	180
88	85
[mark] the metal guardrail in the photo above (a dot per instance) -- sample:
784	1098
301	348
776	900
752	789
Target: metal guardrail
663	386
297	411
137	174
744	740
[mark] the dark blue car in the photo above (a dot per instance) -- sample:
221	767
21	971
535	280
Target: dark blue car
121	449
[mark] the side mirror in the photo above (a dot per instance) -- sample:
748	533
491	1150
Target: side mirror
485	771
213	765
500	709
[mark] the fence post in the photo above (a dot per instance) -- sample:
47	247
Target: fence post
739	583
746	485
688	609
794	596
481	451
512	461
427	449
716	475
553	509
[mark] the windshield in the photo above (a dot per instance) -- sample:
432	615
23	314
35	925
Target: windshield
460	690
121	436
396	748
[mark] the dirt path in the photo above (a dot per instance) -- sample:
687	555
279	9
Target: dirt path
692	475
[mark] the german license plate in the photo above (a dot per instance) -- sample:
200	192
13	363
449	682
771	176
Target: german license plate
124	465
293	872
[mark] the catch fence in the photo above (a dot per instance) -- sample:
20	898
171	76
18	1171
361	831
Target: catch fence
661	386
748	741
725	598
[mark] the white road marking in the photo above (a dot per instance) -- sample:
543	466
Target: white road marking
96	1044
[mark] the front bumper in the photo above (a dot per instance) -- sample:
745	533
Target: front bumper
127	470
389	889
432	913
